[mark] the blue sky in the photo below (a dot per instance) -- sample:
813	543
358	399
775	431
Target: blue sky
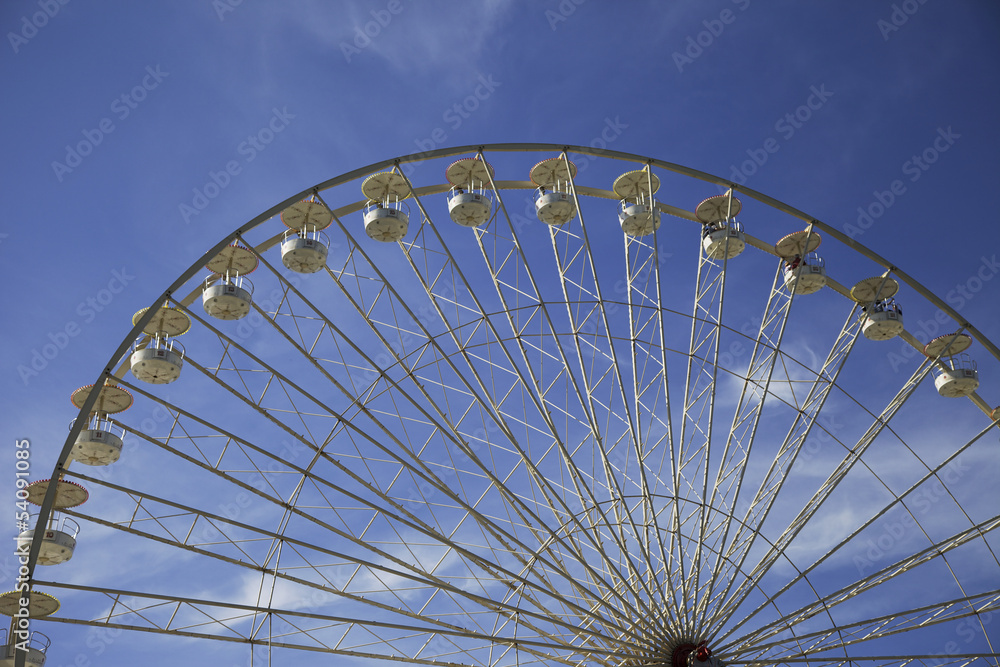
138	134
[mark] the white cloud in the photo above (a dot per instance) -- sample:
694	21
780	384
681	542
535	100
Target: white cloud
412	38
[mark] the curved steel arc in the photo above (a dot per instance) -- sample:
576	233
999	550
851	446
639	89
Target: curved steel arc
610	600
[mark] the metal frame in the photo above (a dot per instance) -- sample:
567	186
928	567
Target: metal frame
613	549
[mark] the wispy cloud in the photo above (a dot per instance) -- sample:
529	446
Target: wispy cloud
412	38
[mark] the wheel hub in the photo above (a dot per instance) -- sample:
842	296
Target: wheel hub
687	653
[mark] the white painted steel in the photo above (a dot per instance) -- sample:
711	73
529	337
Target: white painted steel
523	443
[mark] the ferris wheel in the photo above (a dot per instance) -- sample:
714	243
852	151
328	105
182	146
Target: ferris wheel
531	404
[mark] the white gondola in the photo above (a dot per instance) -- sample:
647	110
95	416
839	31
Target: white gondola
100	443
304	250
804	272
722	237
304	247
955	373
638	219
156	357
387	222
554	208
881	316
554	200
34	656
387	215
156	360
959	378
228	293
723	240
111	399
637	211
58	540
469	202
805	276
883	320
227	296
469	209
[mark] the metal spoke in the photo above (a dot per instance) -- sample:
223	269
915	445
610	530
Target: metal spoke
450	442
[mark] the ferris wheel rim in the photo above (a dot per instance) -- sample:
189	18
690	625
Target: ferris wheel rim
237	236
362	172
